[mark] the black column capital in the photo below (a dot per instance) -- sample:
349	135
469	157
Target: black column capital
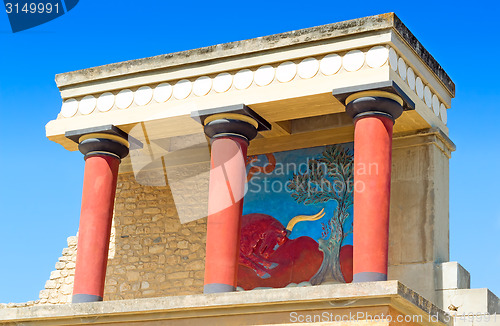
235	120
103	140
369	103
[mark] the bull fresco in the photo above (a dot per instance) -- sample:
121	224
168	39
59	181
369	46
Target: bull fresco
297	218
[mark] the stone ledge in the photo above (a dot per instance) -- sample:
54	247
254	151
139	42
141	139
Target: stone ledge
307	35
339	297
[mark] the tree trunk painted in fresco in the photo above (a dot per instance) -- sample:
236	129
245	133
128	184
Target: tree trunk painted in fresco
328	178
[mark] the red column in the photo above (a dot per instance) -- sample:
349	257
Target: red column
103	147
372	192
225	204
99	187
374	113
230	129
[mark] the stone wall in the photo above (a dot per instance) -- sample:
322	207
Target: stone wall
155	255
151	253
59	287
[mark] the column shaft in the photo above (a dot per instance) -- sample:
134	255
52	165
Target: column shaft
99	187
225	204
372	183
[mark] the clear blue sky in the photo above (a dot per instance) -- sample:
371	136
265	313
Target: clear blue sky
40	187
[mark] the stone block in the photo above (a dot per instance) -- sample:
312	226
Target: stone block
451	275
60	265
182	244
44	294
66	289
55	275
72	241
418	277
67	252
132	276
50	284
157	249
469	301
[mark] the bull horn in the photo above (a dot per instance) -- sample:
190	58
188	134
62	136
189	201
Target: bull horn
301	218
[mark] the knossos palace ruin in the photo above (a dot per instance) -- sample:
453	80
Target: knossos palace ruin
296	178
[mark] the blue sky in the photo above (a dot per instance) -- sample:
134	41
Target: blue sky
41	183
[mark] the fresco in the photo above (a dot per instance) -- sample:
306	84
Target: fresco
297	218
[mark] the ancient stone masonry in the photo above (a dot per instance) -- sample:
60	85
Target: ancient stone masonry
59	287
151	253
156	255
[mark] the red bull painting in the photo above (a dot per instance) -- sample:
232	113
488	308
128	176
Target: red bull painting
297	218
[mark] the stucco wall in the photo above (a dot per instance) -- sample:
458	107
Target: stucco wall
419	220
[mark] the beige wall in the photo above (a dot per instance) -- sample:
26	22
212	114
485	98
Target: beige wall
419	220
155	254
419	200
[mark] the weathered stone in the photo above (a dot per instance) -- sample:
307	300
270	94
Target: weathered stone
157	217
111	289
50	284
72	241
128	220
136	286
132	276
55	275
152	210
66	289
60	265
195	247
111	281
54	300
157	249
177	275
197	265
124	287
44	294
67	252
